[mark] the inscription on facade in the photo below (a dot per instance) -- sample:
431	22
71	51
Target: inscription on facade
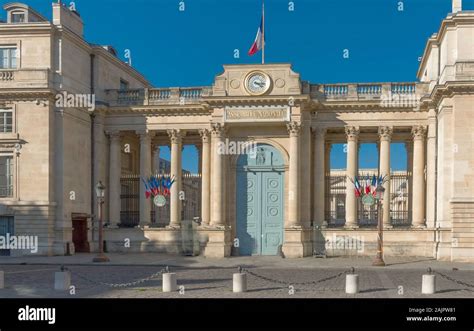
259	114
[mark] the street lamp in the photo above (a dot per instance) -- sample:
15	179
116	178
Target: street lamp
100	193
379	193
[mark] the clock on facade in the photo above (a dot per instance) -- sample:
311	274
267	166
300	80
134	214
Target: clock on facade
257	83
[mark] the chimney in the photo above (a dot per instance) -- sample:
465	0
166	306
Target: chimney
67	18
457	6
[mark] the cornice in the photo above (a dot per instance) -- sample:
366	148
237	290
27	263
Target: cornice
19	95
448	89
27	28
297	100
358	106
185	110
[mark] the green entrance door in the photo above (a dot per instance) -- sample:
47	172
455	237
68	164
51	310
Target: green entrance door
260	187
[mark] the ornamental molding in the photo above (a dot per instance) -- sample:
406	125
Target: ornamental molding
352	133
205	135
419	132
447	90
385	133
176	136
294	128
263	100
218	130
319	132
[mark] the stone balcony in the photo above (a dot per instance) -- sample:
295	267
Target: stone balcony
157	96
364	92
25	79
323	93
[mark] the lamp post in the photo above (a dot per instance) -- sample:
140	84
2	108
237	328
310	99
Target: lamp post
379	262
100	192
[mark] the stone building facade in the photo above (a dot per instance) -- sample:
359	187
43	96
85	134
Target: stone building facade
272	203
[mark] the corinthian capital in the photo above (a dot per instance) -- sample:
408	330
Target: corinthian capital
319	133
352	133
293	128
418	132
145	135
218	129
176	136
385	132
204	133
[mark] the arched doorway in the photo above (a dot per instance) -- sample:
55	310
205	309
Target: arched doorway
260	201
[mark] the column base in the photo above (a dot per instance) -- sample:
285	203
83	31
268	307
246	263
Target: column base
216	241
351	226
297	242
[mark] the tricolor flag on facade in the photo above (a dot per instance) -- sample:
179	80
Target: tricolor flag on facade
259	43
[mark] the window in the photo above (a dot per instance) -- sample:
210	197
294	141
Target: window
8	58
18	17
123	85
6	176
6	120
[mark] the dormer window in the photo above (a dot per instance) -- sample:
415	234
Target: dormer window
123	85
18	17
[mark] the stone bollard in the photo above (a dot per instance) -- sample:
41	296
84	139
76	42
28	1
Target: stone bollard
240	283
170	283
62	280
2	279
428	284
352	284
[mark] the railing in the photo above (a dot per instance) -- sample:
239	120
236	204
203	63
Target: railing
367	91
335	200
26	78
335	90
156	96
7	75
373	89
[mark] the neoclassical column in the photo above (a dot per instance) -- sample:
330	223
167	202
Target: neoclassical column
327	184
319	175
115	172
305	174
419	133
294	129
199	148
176	138
145	172
385	134
431	170
206	176
352	134
217	181
409	204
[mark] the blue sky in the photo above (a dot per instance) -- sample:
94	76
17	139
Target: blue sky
188	48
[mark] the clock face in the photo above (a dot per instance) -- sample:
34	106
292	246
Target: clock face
257	83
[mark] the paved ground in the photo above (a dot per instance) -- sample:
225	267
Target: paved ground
268	277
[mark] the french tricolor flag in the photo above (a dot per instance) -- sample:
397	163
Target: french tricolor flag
258	43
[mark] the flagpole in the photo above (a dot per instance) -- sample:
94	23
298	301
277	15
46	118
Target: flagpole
263	31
